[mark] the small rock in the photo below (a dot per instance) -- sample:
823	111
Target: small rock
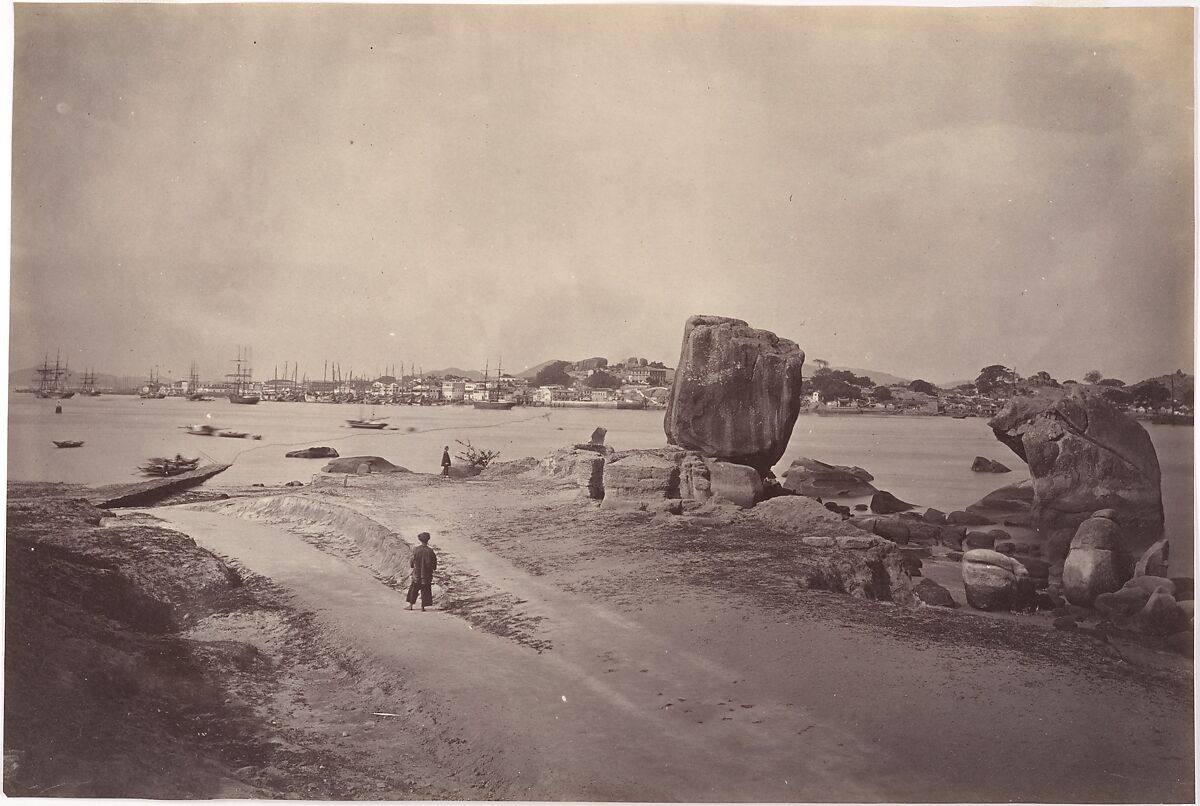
979	540
294	483
933	594
819	542
1124	602
934	516
952	537
892	529
855	542
991	580
1154	560
960	518
1005	547
1152	583
860	507
984	465
1161	615
885	503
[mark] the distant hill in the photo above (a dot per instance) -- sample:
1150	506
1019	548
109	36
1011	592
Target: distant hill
880	378
531	372
953	384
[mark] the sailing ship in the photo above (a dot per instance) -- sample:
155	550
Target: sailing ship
243	387
153	388
89	385
492	394
48	383
194	393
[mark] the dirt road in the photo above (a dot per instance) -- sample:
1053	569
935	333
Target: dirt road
638	671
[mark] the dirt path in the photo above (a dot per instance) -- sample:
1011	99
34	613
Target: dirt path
655	684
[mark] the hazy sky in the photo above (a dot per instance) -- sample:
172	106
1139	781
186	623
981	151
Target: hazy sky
921	191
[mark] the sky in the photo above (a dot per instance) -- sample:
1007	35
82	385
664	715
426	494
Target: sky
919	191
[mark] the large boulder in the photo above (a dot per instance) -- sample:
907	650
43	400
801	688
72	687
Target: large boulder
817	479
885	503
1003	502
1084	455
736	393
1092	566
994	581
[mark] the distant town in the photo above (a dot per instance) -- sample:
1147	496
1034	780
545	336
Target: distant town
598	382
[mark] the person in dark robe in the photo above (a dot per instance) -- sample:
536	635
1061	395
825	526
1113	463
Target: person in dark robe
446	461
423	564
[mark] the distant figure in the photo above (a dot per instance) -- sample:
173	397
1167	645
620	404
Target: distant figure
423	563
446	461
58	408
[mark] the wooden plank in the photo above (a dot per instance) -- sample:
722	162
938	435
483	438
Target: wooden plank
139	493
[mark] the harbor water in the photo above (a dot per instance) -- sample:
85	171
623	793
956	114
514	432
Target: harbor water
924	460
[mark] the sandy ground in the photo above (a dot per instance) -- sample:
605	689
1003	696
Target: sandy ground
576	654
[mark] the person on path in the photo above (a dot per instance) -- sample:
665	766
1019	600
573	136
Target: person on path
446	461
423	564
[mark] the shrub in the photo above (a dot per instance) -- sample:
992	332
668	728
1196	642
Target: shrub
475	457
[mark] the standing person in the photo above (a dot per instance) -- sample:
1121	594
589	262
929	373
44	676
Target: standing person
446	461
423	564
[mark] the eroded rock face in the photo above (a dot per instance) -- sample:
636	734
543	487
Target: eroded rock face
994	581
583	466
1085	456
736	393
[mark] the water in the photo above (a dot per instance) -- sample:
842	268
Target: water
925	460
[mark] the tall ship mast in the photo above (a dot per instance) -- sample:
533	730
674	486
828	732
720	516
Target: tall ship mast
243	387
48	383
152	389
89	384
492	396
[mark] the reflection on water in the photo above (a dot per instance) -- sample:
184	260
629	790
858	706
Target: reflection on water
925	460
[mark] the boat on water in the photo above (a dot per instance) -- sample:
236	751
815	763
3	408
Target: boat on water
49	386
67	443
376	423
89	385
206	430
194	393
153	388
243	385
492	400
162	466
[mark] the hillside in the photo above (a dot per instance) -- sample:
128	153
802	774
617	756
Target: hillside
879	377
531	372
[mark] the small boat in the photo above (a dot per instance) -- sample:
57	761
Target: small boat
374	423
67	443
206	430
160	466
502	405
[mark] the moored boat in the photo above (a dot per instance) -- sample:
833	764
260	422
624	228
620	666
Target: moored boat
162	466
67	443
373	423
243	388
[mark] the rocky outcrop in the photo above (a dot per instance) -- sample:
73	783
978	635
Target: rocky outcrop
641	479
312	453
581	465
819	480
984	465
1003	502
736	392
1084	455
363	465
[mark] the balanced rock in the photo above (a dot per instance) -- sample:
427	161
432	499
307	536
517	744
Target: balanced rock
736	393
312	453
984	465
812	478
1085	455
994	581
